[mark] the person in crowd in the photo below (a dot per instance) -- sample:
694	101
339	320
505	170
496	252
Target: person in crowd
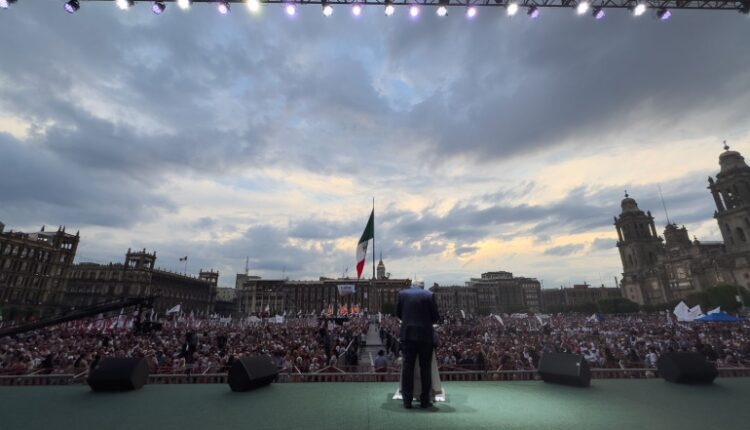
380	363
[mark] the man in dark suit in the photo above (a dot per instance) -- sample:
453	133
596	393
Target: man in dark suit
418	312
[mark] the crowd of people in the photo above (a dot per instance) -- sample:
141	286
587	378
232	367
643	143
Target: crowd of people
296	345
625	342
502	342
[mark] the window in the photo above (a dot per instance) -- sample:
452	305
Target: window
741	235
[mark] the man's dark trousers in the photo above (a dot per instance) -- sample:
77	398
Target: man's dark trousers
412	352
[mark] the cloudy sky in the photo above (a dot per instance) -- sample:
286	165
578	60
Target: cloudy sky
493	144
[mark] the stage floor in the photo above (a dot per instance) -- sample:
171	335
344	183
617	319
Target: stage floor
608	404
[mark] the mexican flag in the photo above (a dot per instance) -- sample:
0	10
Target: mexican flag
367	235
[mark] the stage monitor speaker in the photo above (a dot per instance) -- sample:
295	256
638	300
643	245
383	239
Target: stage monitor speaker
563	368
686	368
119	374
252	372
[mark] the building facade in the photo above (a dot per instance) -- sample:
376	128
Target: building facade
555	300
501	292
657	270
225	304
34	271
92	283
276	296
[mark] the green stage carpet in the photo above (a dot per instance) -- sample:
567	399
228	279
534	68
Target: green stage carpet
608	404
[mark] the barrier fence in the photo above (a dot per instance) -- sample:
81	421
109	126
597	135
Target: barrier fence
391	376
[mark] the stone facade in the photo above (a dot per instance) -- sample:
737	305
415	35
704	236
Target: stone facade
92	283
657	270
276	296
34	271
556	299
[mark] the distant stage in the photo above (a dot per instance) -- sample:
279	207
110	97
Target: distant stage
608	404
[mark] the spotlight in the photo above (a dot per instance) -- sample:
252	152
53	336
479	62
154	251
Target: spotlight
253	6
327	9
598	13
533	12
125	4
72	6
442	11
582	8
512	9
471	12
184	4
639	9
158	7
290	9
414	11
664	14
5	4
389	9
357	9
223	7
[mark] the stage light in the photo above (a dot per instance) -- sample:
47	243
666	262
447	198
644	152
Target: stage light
253	6
598	13
442	11
471	12
389	9
582	8
5	4
639	9
533	12
512	9
327	9
223	7
664	14
125	4
290	9
414	11
184	4
357	10
158	7
72	6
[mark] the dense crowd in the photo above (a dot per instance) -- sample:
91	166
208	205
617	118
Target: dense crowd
297	345
635	341
310	345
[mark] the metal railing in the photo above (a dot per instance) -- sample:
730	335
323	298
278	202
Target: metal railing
391	376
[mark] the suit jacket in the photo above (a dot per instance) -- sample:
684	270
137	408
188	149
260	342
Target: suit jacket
418	312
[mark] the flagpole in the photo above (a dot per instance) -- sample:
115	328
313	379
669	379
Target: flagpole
373	238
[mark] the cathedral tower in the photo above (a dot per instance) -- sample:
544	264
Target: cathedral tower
731	192
640	248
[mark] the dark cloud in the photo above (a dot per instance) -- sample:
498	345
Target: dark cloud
563	250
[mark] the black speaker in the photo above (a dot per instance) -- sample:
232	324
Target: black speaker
119	374
252	372
686	368
563	368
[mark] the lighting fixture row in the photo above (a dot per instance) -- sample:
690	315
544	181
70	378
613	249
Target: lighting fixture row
158	7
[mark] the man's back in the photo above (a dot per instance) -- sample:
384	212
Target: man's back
418	312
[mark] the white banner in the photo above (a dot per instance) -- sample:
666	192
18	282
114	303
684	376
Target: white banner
346	289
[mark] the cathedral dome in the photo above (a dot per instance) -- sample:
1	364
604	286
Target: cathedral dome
629	204
732	160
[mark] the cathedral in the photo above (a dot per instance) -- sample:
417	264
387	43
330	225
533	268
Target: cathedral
658	270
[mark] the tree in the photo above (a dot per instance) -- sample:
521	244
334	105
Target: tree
725	296
617	305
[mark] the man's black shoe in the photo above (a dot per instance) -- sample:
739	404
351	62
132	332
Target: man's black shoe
407	405
425	405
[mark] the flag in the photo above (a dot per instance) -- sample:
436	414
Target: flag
183	258
174	310
367	235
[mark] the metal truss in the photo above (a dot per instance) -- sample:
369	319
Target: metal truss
738	5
